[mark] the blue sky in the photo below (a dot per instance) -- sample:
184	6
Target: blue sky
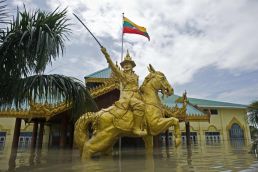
206	47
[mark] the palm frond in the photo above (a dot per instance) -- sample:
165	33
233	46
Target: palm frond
4	12
33	41
48	89
4	19
253	113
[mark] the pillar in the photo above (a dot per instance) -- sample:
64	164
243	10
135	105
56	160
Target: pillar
41	133
71	135
15	143
34	136
187	133
156	141
167	138
33	142
63	132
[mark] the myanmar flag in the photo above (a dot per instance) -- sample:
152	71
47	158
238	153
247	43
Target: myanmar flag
132	28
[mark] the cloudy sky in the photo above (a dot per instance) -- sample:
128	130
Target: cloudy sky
208	48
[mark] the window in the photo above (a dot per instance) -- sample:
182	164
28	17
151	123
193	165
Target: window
170	138
214	111
212	137
193	137
25	140
2	140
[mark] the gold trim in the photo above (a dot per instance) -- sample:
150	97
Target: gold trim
212	126
191	129
3	129
97	80
37	111
173	112
216	129
27	127
103	89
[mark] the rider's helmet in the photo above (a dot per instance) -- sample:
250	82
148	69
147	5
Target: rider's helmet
127	59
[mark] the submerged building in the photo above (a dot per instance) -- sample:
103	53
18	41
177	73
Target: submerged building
208	121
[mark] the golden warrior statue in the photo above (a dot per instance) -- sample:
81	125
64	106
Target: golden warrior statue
130	97
126	116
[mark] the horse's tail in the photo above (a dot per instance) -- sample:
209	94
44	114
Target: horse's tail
81	134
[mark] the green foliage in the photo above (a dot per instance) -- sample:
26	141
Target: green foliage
32	41
253	132
27	46
3	12
253	113
51	89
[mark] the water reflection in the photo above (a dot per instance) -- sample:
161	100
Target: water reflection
224	156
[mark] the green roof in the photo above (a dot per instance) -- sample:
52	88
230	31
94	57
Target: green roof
215	104
190	110
104	73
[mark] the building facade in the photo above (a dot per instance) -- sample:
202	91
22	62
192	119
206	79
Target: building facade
228	122
209	121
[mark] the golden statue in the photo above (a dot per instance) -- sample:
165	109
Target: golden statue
138	112
130	97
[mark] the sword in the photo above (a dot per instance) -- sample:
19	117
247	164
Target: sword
88	29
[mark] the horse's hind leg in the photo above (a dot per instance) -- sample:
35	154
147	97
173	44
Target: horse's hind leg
99	143
148	140
87	151
109	150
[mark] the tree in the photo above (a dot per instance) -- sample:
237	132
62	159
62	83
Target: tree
27	45
253	113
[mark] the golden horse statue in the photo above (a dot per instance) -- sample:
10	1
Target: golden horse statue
107	129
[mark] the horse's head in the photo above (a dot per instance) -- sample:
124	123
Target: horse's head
158	81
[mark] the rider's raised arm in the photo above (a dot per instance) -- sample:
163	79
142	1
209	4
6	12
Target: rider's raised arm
113	67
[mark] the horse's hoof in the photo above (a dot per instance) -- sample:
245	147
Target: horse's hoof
178	142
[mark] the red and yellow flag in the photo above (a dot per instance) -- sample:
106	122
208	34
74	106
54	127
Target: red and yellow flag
132	28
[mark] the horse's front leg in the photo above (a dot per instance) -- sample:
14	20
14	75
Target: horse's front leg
178	139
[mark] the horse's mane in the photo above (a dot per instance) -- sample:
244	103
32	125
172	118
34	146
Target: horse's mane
148	78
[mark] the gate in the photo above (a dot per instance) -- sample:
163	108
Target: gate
236	135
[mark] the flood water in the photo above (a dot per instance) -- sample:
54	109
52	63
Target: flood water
201	157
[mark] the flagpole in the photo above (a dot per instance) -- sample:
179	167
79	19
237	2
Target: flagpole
122	51
120	138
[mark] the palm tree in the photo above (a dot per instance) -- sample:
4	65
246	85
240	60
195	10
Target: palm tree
253	120
31	42
253	113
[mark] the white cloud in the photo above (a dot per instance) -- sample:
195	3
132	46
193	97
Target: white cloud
30	5
186	36
242	95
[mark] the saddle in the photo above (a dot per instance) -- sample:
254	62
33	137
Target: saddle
122	117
